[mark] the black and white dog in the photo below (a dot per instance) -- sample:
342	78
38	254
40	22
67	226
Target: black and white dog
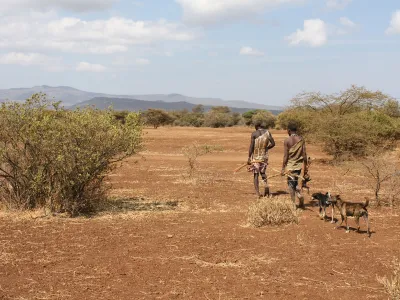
323	203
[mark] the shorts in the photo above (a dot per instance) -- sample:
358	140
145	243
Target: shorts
293	180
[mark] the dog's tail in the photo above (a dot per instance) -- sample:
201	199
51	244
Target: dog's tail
366	202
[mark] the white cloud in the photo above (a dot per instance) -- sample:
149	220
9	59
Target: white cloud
337	4
43	5
87	67
346	26
114	35
32	59
347	22
250	51
394	27
314	34
205	12
142	61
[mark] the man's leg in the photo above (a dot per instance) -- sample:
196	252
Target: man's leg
266	188
256	184
298	190
292	189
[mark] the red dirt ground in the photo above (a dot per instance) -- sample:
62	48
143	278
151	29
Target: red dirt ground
169	237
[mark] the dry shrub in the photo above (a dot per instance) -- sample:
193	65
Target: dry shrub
392	285
194	151
272	211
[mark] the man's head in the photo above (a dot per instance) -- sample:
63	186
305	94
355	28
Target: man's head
259	125
292	128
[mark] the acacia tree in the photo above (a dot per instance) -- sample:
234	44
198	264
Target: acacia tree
347	123
157	118
351	100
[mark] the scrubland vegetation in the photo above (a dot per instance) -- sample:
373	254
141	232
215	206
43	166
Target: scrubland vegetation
57	159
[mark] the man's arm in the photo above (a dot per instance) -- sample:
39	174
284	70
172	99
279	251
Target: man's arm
271	142
285	156
305	159
251	148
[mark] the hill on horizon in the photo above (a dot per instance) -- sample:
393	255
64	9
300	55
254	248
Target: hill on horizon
141	105
71	96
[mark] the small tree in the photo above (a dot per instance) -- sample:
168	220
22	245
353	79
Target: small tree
157	118
381	170
194	151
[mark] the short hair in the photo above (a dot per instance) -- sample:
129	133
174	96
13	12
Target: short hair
292	126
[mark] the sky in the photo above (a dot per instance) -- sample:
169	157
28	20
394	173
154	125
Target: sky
263	51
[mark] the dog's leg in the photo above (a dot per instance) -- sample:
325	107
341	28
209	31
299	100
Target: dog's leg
333	215
340	225
357	219
320	211
365	216
324	215
347	226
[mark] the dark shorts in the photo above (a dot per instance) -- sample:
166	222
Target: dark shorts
293	180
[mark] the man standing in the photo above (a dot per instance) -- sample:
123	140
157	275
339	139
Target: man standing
261	142
295	158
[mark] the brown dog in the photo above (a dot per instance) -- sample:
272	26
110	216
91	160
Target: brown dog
351	209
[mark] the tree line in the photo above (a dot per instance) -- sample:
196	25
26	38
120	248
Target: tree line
216	117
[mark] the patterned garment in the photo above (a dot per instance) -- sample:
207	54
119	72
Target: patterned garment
258	167
259	162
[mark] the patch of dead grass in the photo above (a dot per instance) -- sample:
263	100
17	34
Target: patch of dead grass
392	285
272	211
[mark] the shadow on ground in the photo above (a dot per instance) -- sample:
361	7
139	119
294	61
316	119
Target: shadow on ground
122	205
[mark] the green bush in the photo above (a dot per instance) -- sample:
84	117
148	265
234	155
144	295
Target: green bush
58	159
303	118
266	118
188	119
217	119
157	118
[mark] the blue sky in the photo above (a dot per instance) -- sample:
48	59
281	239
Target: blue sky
263	51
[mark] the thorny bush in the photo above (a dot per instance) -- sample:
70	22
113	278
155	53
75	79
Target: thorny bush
55	158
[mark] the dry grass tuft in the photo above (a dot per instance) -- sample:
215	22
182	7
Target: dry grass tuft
392	285
272	211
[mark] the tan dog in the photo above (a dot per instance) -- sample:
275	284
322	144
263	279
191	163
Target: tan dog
351	209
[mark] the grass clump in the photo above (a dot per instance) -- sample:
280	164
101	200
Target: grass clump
392	285
272	211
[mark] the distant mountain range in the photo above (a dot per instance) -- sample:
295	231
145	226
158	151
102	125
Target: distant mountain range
141	105
72	97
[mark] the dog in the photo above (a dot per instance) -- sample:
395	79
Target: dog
323	203
351	209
